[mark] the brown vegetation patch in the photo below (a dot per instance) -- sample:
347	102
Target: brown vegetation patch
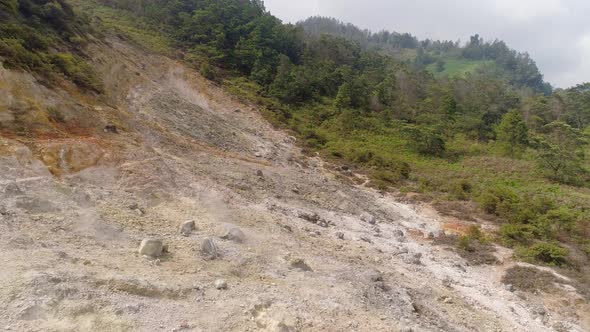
529	279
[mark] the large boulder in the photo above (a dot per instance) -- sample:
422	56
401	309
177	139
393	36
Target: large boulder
209	249
232	233
187	227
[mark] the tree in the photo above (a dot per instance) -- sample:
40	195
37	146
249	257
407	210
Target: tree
560	153
512	133
343	98
8	7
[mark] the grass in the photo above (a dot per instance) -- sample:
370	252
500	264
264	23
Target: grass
458	67
121	22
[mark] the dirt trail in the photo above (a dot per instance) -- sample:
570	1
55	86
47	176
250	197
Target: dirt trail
70	225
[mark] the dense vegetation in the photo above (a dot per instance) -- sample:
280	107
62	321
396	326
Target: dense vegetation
45	37
445	57
493	140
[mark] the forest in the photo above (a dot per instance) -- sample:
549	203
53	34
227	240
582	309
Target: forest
496	139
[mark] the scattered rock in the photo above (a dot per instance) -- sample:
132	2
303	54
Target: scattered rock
314	218
376	276
311	217
339	235
299	264
220	284
315	234
151	247
366	239
233	233
209	249
135	207
111	128
401	251
447	282
287	228
366	217
187	227
413	259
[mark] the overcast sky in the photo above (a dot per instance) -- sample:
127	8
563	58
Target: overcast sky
555	32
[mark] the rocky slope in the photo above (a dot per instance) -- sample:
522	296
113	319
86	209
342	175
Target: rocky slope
83	179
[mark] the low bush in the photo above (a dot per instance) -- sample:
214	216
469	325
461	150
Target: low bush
528	279
547	253
77	70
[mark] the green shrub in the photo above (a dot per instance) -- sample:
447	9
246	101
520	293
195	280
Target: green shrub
460	190
464	243
498	200
77	70
513	234
207	71
426	141
548	253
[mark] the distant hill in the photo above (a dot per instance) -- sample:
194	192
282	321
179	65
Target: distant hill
442	58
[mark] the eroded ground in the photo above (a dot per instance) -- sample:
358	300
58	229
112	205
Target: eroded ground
76	201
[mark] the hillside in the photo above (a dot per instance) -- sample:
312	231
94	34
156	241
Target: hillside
442	58
331	187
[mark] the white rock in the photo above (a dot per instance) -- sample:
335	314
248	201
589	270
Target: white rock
366	217
220	284
151	247
233	233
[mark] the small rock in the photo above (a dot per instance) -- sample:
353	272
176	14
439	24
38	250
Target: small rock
366	239
233	233
376	276
220	284
311	217
510	288
339	235
398	233
366	217
295	190
111	128
151	247
209	249
187	227
447	282
259	173
401	251
298	263
414	259
429	236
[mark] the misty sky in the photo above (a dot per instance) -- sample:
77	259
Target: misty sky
555	32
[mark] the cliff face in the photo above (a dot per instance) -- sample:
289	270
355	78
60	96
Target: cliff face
84	178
